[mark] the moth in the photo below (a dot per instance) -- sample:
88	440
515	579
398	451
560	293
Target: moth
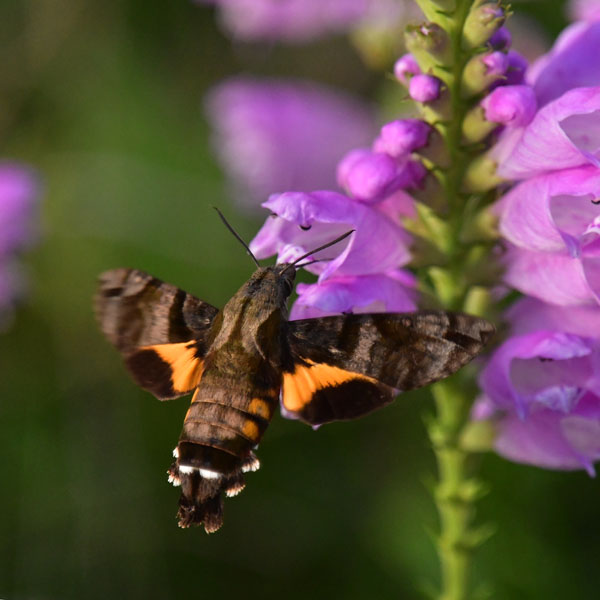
241	362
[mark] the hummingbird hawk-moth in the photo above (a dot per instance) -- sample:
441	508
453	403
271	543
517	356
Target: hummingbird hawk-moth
242	361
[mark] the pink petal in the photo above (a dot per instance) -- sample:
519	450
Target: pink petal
563	134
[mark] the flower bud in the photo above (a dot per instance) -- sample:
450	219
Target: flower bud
406	66
476	127
436	150
481	175
370	176
517	65
429	44
402	137
482	71
483	20
424	88
510	105
501	39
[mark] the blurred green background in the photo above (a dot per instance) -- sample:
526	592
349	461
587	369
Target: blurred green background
104	99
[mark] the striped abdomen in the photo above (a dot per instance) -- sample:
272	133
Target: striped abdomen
222	427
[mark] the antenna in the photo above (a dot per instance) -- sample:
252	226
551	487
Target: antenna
236	235
339	239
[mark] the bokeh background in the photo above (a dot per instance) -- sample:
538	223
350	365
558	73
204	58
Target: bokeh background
104	99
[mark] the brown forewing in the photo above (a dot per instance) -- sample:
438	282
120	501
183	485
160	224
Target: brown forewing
135	309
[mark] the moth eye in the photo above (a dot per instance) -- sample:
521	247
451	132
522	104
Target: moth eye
288	286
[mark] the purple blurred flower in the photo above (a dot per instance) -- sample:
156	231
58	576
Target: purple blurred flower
292	20
584	10
18	193
273	136
303	20
18	228
542	387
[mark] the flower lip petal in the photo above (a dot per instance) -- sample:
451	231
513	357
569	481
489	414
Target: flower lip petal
377	245
554	278
543	214
568	64
366	293
545	145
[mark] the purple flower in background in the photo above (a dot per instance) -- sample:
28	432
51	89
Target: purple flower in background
584	10
303	20
18	196
272	136
542	387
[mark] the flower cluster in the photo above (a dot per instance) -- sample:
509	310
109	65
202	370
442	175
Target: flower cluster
18	192
542	385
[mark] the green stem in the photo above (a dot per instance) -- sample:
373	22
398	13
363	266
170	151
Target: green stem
456	491
453	496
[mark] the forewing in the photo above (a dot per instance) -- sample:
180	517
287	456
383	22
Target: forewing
161	330
135	309
377	353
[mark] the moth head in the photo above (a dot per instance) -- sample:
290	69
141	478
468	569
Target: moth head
285	274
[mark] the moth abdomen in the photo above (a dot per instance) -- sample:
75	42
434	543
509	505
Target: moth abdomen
215	448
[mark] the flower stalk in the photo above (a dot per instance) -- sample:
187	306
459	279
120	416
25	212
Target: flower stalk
457	489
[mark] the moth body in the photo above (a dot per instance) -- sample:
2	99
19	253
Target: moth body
240	362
